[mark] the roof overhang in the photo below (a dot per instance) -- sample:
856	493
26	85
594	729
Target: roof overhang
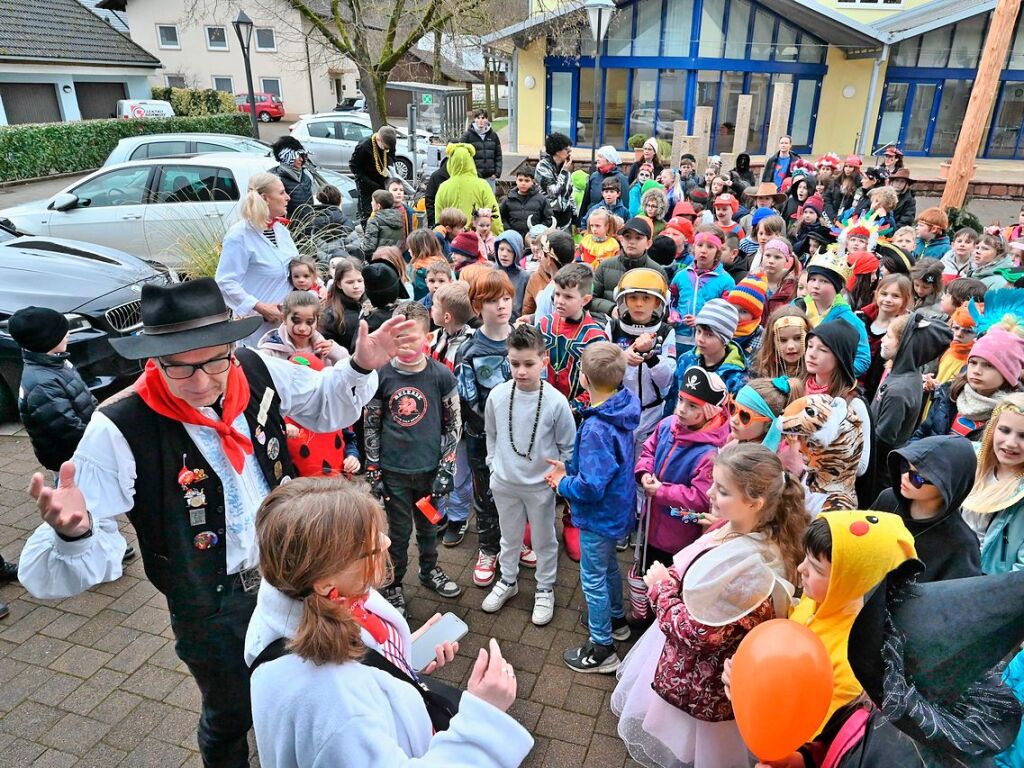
153	65
925	18
522	33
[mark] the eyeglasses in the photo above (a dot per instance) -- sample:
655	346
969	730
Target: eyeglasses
917	479
744	414
210	367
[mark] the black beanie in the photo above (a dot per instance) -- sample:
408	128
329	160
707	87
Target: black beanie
381	283
663	250
828	274
37	329
842	339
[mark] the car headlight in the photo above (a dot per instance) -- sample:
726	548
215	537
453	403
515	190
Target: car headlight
77	323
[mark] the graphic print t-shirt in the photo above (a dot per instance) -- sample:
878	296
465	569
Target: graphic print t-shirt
410	422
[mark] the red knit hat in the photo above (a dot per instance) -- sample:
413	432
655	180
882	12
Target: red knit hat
815	203
853	160
684	208
467	243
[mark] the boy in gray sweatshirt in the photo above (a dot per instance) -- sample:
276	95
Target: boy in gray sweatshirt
527	421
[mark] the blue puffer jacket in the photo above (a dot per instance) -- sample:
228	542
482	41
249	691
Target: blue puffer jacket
55	406
690	292
1013	676
600	487
733	369
842	311
941	416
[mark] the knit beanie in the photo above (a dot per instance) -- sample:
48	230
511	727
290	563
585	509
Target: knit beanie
37	329
934	217
662	250
833	277
759	215
749	295
381	284
721	317
842	339
1004	351
815	203
468	244
609	153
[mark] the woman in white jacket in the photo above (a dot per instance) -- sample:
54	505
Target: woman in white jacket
253	269
325	703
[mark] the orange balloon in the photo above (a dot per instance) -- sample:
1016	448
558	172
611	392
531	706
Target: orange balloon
781	687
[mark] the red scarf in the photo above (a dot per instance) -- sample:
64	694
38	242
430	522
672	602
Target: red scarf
371	622
813	388
152	388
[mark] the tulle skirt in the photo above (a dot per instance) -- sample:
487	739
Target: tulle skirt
660	735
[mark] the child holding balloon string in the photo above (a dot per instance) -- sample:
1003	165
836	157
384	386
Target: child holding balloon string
670	699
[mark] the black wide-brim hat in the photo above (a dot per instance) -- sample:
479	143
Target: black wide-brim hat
182	317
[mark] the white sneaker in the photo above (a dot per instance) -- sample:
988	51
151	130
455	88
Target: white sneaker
543	607
527	557
485	569
498	596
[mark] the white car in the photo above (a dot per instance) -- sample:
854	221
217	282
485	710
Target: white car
156	145
149	207
330	138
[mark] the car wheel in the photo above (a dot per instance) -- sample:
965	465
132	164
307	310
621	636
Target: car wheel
264	117
404	168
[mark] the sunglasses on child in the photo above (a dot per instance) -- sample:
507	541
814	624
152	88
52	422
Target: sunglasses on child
744	414
916	479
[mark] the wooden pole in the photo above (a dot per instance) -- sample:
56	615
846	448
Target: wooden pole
979	107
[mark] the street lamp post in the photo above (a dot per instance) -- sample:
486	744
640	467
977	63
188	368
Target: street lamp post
243	28
599	14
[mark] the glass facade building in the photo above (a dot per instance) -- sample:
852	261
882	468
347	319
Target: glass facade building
664	58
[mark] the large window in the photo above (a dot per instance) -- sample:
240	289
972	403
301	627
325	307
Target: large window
647	41
560	103
952	108
736	37
614	106
643	106
678	27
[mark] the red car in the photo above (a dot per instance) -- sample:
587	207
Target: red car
268	106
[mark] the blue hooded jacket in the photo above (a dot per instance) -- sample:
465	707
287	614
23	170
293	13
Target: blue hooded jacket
600	486
516	274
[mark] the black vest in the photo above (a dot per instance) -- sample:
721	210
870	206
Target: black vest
186	562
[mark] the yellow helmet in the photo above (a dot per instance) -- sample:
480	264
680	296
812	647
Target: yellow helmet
643	280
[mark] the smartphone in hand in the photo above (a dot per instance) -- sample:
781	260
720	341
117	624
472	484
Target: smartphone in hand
448	629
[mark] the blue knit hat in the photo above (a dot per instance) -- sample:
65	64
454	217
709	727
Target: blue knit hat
760	214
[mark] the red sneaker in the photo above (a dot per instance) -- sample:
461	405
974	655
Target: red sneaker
485	569
571	538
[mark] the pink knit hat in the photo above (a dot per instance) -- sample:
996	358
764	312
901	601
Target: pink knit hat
1004	351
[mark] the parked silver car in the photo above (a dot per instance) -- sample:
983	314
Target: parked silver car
156	145
331	137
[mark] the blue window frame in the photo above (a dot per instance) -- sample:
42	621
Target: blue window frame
759	47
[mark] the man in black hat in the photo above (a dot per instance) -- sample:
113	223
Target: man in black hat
189	454
635	237
370	165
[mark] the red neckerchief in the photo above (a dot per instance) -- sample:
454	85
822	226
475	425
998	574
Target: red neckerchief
152	388
371	622
813	388
280	219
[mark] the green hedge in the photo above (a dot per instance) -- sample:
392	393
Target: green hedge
45	149
193	102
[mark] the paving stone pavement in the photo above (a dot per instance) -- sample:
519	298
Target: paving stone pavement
92	681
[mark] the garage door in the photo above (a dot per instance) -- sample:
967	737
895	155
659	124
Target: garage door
30	102
98	100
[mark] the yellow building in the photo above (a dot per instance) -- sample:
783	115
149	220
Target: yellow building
864	73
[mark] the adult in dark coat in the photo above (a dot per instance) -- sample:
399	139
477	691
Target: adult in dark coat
190	479
291	169
741	177
552	176
945	544
650	155
905	212
487	145
779	166
370	161
841	192
437	178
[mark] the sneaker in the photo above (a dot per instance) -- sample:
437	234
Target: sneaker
571	538
455	532
622	544
543	607
592	658
438	581
5	610
396	597
527	557
129	554
621	630
9	572
498	596
485	569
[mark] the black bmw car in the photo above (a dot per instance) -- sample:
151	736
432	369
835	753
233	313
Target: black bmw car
98	289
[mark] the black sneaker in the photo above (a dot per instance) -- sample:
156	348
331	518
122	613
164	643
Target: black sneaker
396	597
129	554
620	627
592	658
438	581
8	573
455	532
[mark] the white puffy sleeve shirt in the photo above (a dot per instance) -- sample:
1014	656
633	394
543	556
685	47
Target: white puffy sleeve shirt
105	471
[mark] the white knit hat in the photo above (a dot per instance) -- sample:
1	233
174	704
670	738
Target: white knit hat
609	153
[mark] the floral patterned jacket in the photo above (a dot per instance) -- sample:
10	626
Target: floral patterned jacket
689	673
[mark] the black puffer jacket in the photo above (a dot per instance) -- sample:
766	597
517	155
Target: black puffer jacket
299	186
518	212
55	406
836	200
488	152
437	178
